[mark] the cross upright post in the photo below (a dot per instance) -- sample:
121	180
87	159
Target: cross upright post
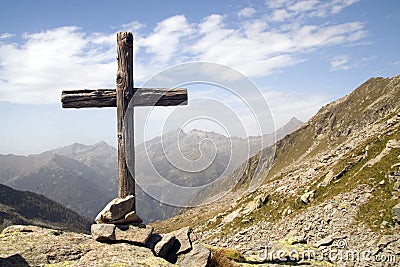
121	97
126	180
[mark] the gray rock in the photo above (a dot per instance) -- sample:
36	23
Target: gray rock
183	239
257	203
133	234
385	241
328	179
308	197
36	246
103	232
325	241
396	213
164	245
116	209
153	240
396	186
199	256
131	217
329	240
120	255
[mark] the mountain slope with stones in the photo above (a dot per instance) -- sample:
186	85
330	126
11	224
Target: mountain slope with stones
333	191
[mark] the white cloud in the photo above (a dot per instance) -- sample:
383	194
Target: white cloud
277	3
303	6
246	12
258	51
163	42
280	15
36	69
340	63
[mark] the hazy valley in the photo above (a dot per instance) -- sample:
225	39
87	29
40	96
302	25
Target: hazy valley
84	178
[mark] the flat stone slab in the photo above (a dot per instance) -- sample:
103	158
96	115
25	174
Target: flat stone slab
103	232
133	234
199	256
121	255
183	239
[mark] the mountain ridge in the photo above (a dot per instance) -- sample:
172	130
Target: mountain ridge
337	177
22	207
84	177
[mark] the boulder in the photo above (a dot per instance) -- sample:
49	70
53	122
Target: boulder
103	232
153	240
308	197
116	210
131	217
230	217
164	245
133	234
330	239
385	241
328	179
183	239
199	256
396	213
257	203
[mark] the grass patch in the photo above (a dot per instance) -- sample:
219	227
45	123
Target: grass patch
228	253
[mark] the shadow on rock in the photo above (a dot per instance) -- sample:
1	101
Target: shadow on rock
14	260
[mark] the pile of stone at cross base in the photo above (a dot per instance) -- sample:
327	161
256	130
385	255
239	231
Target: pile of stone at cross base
117	222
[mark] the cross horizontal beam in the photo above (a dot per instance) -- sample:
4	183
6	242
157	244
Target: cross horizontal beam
100	98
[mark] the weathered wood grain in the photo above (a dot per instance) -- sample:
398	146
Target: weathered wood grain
124	91
100	98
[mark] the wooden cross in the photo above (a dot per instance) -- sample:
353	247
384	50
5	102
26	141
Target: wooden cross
120	98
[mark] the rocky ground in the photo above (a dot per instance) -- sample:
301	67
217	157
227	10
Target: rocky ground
35	246
328	205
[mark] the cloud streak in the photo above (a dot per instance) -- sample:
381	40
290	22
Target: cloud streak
340	63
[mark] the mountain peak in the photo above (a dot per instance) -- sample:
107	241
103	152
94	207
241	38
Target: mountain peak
294	120
102	144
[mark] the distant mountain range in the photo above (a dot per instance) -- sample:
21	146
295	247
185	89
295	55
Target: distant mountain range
84	178
18	207
77	176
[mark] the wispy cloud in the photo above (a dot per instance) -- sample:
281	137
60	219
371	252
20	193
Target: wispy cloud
6	35
340	63
306	8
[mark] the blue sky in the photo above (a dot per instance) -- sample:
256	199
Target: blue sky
300	54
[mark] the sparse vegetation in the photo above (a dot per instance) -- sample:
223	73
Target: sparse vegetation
219	259
228	253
